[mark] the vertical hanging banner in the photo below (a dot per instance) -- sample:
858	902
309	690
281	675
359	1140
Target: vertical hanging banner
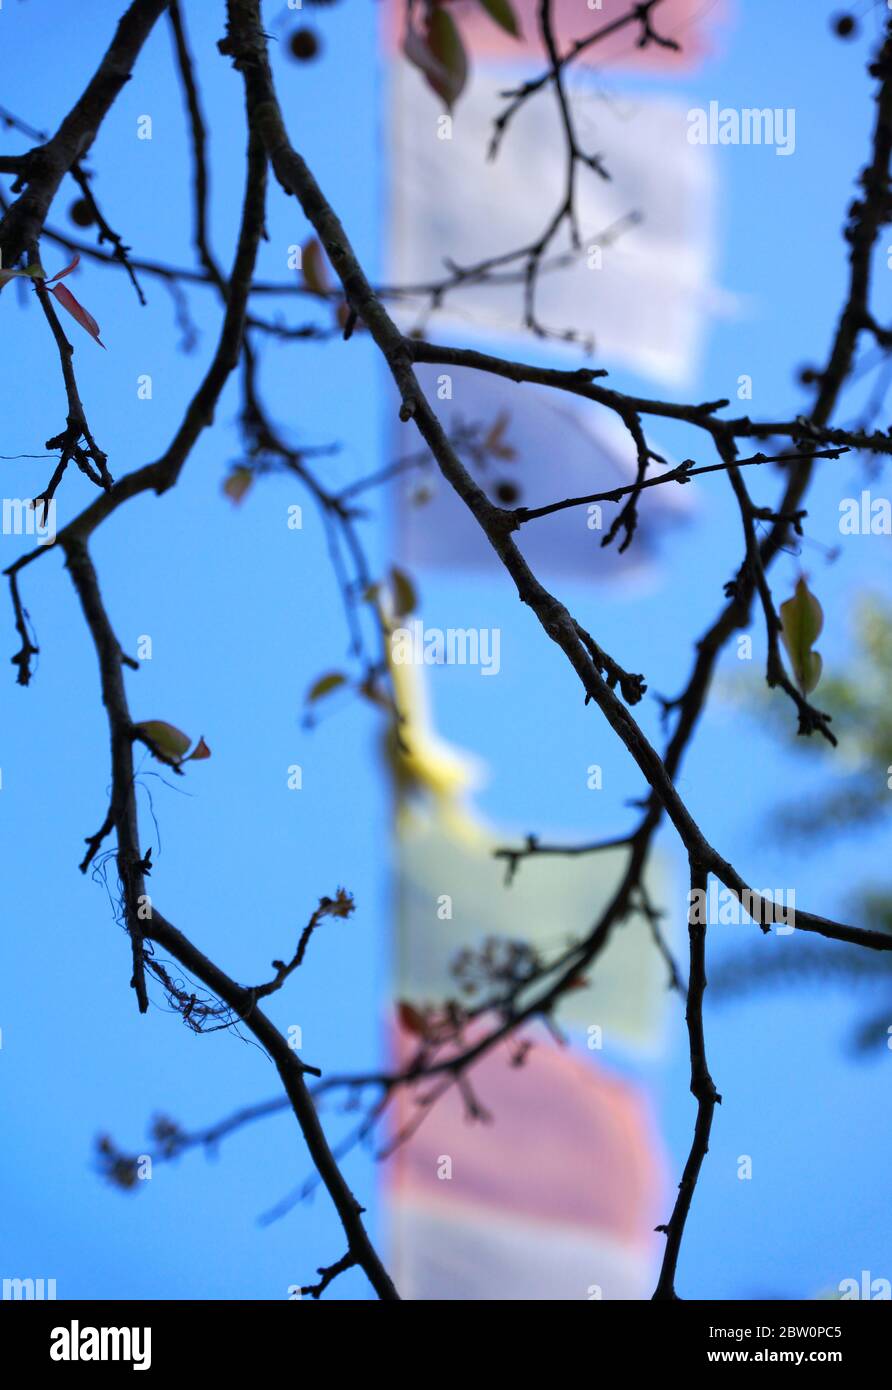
639	287
537	1174
541	1178
511	433
496	30
552	1195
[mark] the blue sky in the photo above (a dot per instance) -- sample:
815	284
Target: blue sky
244	613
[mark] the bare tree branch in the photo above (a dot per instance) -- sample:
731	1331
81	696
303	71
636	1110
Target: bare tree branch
702	1087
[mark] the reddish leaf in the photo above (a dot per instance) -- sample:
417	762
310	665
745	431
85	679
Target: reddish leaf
494	443
60	275
77	311
199	752
313	265
411	1019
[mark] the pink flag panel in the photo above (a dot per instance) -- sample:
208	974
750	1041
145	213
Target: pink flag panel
686	21
567	1164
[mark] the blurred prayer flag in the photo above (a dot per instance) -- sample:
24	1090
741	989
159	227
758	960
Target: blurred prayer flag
526	446
639	288
553	1195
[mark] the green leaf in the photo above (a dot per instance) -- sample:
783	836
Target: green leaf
405	599
440	54
31	272
324	685
171	743
444	42
802	620
503	14
238	483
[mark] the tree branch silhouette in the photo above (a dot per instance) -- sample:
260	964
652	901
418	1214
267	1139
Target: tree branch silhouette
447	1055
